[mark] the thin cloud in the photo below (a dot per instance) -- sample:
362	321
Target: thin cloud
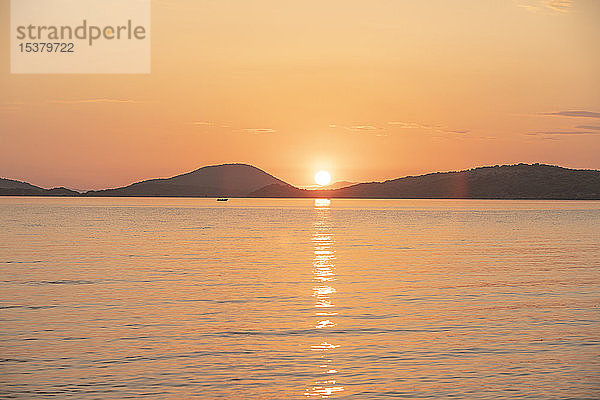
435	128
558	133
100	100
219	126
561	6
256	131
575	113
367	130
11	106
375	130
372	130
589	127
551	138
363	128
410	125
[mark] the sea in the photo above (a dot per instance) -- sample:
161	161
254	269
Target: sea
166	298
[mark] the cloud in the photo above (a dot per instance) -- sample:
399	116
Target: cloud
372	130
582	129
580	114
368	130
434	128
208	125
589	127
363	128
380	131
558	133
100	100
410	125
256	131
11	106
561	6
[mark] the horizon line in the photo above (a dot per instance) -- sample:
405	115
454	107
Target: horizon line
304	187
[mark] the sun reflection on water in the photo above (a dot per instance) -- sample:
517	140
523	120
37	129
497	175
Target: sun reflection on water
323	291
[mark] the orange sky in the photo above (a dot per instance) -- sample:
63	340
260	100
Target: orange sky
369	90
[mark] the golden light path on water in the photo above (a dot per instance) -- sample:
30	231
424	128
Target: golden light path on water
323	292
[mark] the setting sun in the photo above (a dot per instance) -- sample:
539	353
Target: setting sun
323	178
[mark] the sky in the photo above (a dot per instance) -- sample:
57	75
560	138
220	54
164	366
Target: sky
368	90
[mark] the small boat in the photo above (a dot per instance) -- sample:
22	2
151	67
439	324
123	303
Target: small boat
222	199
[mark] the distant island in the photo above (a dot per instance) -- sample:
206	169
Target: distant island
519	181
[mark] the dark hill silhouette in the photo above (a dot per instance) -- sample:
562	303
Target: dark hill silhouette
332	186
339	185
61	191
11	187
521	181
13	184
227	180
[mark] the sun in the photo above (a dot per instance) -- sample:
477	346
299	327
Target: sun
323	178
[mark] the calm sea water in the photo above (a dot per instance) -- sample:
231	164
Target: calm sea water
292	299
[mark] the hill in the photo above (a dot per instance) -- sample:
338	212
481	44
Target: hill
227	180
13	184
520	181
339	185
335	185
11	187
